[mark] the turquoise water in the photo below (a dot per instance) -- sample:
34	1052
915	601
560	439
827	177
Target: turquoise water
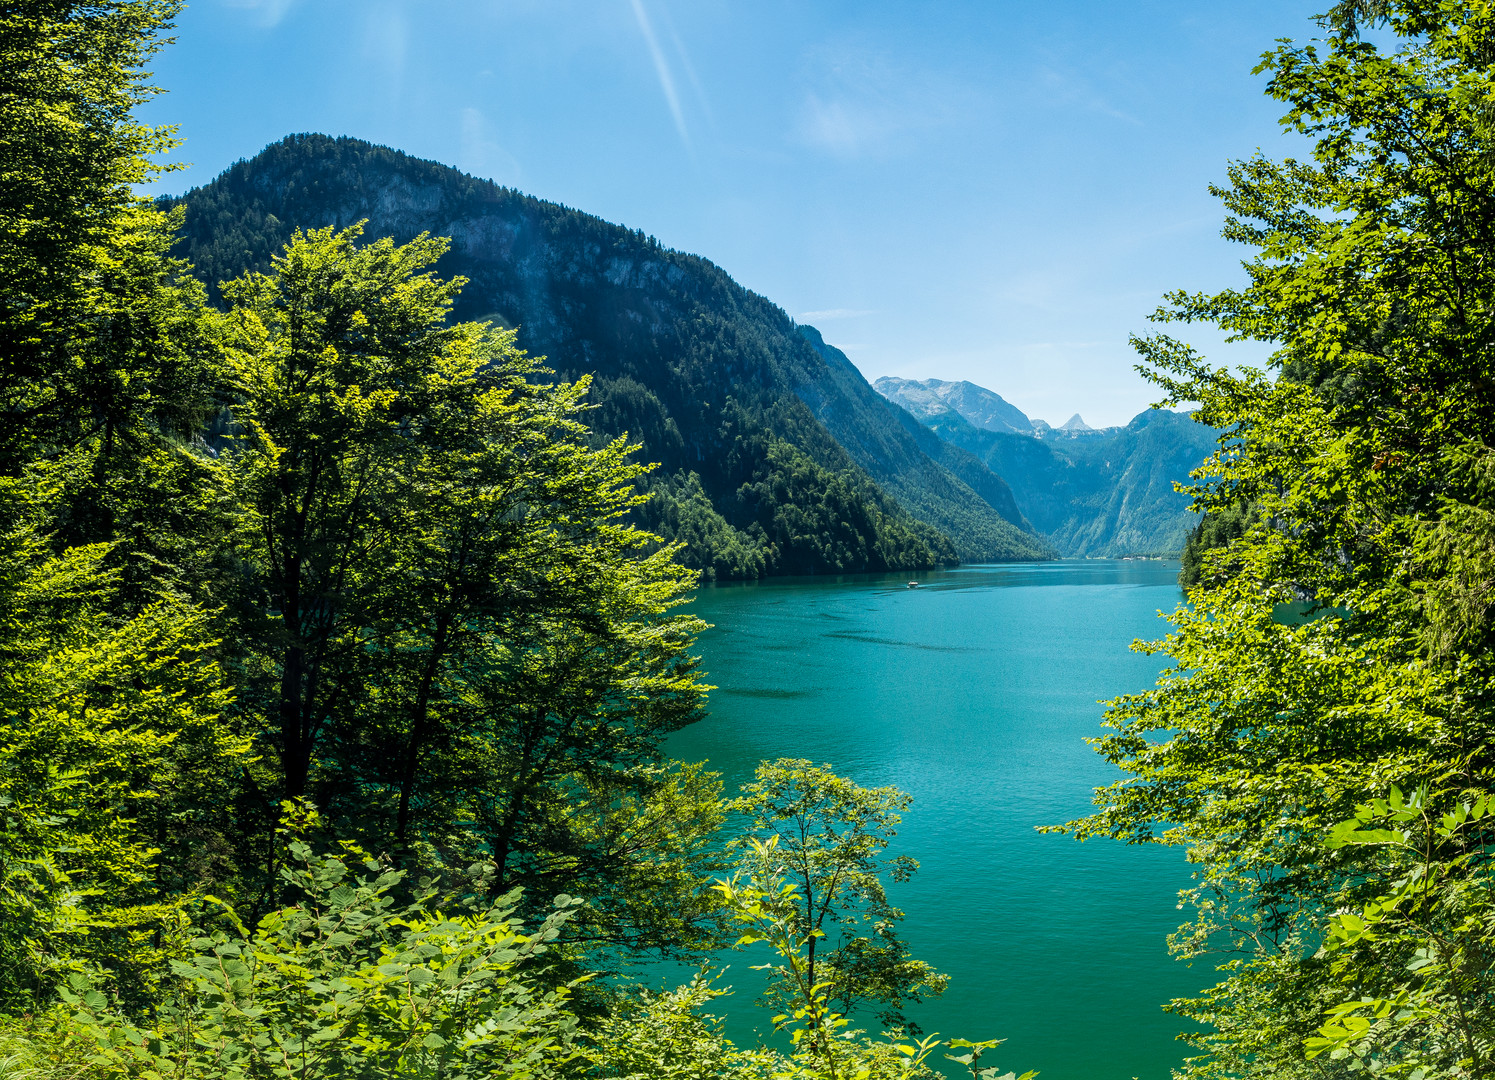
973	693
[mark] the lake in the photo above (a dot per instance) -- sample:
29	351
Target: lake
974	693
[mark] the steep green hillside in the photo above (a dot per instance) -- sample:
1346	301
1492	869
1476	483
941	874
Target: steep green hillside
773	459
930	476
1101	494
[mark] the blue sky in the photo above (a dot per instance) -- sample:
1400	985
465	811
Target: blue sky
993	191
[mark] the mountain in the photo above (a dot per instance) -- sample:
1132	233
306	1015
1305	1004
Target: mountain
935	397
1099	493
774	454
934	400
924	472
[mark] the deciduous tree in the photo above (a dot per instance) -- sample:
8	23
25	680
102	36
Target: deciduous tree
1336	643
825	836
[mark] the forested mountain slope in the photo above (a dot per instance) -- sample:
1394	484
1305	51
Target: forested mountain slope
1100	493
921	470
773	458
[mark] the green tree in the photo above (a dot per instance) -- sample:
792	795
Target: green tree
826	835
1424	947
668	1036
667	1033
112	699
108	356
542	752
94	339
337	357
1215	530
346	983
1336	643
110	752
454	638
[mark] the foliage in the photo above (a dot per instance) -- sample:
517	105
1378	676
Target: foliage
398	528
18	1060
679	507
1336	653
666	1036
972	1060
97	335
705	375
768	910
791	516
1215	530
111	694
1424	945
827	835
112	743
341	361
669	1035
108	360
452	638
817	521
344	984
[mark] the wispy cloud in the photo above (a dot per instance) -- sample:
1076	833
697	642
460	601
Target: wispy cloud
690	69
831	313
841	127
662	69
386	41
861	102
265	13
1068	88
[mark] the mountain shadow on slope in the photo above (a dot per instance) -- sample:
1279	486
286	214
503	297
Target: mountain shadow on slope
763	449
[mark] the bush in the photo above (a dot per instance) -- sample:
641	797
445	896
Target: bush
344	985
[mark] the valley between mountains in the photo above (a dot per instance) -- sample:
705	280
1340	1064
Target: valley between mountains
775	456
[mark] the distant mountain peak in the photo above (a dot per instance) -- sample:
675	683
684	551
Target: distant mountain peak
930	398
1104	492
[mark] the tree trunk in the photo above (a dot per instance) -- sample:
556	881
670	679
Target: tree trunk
295	753
420	726
503	844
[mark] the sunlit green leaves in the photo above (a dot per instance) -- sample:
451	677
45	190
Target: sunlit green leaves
1328	773
825	836
113	733
348	983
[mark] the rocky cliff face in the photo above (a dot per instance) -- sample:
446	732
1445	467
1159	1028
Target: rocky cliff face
773	459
